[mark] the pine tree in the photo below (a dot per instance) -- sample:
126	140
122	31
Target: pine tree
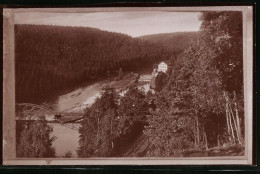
35	140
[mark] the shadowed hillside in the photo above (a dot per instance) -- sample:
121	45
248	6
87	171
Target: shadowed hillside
50	59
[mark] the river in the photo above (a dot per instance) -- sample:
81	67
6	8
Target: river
67	139
76	101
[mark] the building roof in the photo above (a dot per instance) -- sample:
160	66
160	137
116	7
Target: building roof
168	62
162	62
146	77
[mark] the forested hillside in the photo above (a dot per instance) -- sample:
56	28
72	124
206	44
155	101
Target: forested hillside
200	103
197	105
53	58
195	110
174	42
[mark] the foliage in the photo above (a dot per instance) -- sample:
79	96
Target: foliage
112	123
223	32
35	140
120	73
50	59
170	125
97	131
197	105
160	81
88	133
132	112
68	155
191	110
168	41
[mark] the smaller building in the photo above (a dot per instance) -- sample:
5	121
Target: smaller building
146	78
155	72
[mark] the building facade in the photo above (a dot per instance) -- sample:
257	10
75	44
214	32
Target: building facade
162	67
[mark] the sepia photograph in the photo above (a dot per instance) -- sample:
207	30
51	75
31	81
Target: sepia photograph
128	84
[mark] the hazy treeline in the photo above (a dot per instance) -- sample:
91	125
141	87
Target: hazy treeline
175	43
52	58
198	103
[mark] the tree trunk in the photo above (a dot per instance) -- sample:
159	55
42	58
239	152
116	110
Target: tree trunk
195	137
167	145
237	118
168	149
218	131
198	130
236	127
98	132
231	127
227	117
218	141
206	141
111	131
229	121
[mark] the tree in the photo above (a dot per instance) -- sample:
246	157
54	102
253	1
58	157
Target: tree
88	133
68	155
120	73
160	81
97	130
170	124
223	32
197	107
205	90
35	140
68	57
132	113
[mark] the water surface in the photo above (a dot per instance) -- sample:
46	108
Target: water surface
67	139
76	101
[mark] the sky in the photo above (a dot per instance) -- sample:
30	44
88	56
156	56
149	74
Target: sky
132	23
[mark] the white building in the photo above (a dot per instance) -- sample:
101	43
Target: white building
162	67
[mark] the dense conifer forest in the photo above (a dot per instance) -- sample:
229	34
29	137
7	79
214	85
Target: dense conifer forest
175	43
196	106
53	58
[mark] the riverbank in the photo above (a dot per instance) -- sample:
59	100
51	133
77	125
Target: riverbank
80	98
